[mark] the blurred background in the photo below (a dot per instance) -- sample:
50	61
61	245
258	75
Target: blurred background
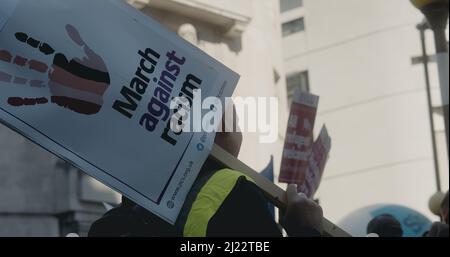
363	58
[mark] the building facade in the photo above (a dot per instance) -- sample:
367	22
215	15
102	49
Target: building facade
41	195
361	57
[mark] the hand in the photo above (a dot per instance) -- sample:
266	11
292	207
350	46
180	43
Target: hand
230	141
77	84
302	214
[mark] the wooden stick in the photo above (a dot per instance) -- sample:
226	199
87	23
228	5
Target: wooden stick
275	194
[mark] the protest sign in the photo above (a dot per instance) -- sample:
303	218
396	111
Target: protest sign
92	81
299	137
316	164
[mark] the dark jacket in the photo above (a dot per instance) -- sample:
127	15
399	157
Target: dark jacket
221	203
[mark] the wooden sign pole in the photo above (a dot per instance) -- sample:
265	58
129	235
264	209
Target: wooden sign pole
276	195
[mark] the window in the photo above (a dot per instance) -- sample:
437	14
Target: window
298	80
286	5
294	26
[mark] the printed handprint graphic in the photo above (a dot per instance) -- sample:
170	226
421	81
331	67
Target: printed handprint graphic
76	84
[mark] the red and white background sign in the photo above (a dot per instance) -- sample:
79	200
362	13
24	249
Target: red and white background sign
303	161
316	164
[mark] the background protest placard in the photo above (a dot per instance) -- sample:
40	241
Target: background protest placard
316	164
92	81
303	162
299	137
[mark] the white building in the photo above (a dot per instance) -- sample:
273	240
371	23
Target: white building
43	196
357	55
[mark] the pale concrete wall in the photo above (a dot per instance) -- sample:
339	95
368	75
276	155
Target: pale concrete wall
373	101
236	6
26	176
262	55
29	226
38	191
27	193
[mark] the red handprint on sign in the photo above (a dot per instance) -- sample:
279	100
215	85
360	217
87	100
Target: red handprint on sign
77	84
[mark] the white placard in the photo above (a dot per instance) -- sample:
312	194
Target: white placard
90	81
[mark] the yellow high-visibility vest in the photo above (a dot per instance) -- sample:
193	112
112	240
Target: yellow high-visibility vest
209	200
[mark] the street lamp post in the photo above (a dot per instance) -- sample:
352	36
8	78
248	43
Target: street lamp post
422	27
436	12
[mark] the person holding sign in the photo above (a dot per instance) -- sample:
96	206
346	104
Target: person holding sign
107	113
97	92
222	203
